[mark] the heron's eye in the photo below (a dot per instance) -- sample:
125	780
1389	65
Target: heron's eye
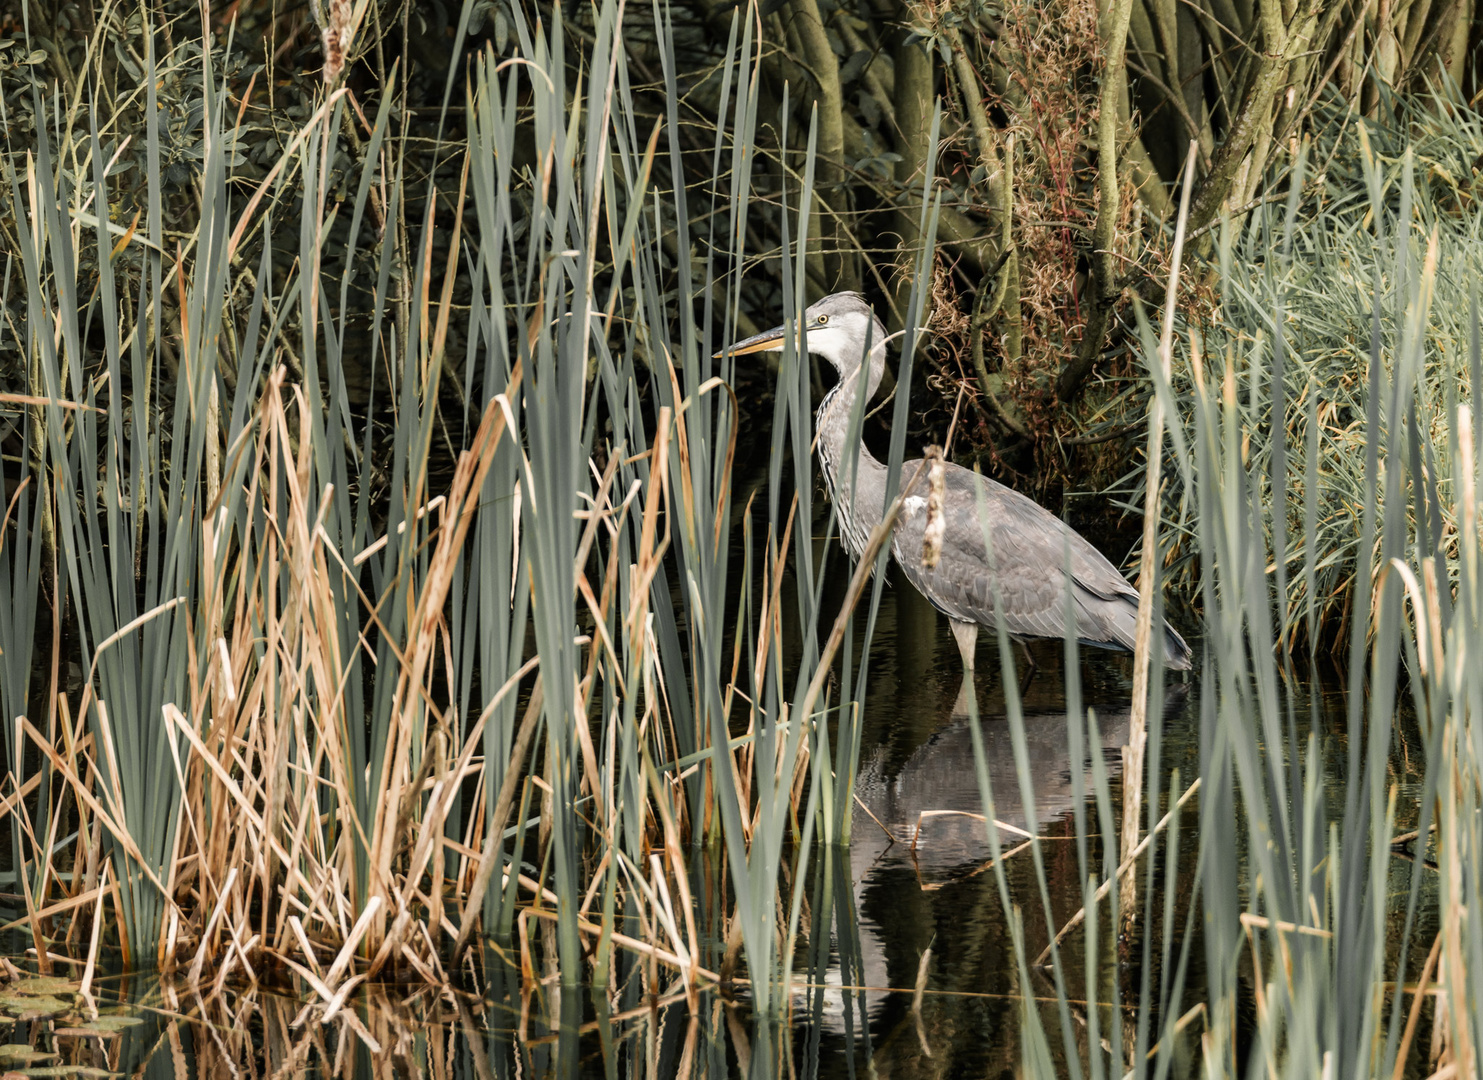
823	319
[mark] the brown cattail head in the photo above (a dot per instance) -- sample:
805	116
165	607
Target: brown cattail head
337	32
936	519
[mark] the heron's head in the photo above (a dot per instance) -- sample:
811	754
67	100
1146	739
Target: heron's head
837	328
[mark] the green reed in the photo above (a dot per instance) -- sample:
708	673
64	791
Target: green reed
344	713
1304	925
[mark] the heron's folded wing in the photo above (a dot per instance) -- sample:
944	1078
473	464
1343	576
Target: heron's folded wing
1025	556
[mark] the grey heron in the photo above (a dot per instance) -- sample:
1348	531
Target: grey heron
1030	545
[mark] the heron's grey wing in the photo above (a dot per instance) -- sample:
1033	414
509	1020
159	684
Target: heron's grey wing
1030	554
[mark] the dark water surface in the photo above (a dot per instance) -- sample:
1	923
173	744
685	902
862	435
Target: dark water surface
941	893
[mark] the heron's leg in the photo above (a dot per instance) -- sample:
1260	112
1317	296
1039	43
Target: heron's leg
960	703
966	634
1030	670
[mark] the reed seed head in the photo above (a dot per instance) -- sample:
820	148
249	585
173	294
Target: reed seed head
936	520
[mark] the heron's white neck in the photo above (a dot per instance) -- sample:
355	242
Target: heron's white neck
857	486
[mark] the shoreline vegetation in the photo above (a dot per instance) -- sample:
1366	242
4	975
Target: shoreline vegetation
388	514
345	714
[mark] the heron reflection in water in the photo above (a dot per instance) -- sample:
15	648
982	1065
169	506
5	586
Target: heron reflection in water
1030	545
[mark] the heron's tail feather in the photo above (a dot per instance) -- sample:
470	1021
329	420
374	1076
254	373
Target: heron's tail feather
1117	623
1176	651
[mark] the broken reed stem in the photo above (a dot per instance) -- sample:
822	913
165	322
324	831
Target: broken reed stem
87	972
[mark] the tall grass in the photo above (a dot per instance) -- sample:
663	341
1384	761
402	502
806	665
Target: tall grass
345	713
1309	932
1320	217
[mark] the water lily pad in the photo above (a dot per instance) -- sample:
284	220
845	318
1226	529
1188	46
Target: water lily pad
20	1054
44	984
104	1025
26	1007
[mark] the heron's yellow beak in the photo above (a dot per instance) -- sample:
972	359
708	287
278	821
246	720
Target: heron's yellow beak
767	341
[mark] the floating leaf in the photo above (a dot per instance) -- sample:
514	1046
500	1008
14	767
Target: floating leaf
118	1021
27	1007
44	984
20	1053
104	1025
